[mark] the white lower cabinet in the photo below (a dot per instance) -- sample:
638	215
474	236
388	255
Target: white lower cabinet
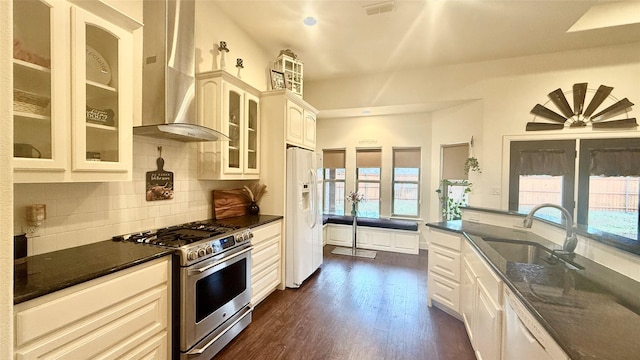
462	283
266	260
125	315
488	322
468	298
444	270
481	305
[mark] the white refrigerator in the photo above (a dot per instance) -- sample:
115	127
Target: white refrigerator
303	240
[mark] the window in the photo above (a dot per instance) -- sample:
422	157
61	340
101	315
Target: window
406	182
368	170
608	185
609	178
542	172
454	186
334	177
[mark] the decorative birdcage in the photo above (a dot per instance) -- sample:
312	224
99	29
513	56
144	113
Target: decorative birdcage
288	63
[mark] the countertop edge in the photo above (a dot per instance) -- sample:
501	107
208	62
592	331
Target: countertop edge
90	276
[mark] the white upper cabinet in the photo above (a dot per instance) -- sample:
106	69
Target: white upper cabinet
231	107
298	115
73	92
301	125
102	89
40	100
295	123
309	139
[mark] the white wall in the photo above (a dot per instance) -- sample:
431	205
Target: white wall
385	132
212	26
453	126
508	89
83	213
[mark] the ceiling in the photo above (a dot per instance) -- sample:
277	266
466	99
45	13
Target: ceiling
346	41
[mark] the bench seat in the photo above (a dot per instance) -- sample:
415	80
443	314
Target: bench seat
375	234
372	222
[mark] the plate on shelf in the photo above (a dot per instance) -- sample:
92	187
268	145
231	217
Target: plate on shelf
98	69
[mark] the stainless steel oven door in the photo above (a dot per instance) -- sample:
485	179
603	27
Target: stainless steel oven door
212	291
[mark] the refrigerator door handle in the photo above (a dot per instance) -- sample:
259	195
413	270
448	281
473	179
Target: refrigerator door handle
312	206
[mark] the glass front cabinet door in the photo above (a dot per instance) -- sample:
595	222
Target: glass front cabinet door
252	132
227	104
102	94
39	100
232	122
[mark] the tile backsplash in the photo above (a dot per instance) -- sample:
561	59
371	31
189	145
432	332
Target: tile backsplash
84	213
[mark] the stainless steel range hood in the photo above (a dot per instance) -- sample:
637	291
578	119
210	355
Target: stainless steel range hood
168	80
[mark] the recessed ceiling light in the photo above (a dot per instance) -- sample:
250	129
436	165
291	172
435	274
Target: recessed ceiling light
310	21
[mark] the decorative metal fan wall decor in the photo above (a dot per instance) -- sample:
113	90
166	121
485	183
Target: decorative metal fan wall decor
578	116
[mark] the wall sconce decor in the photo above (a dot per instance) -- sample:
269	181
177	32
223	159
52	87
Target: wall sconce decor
36	214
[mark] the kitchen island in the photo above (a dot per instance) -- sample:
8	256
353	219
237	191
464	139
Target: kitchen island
591	311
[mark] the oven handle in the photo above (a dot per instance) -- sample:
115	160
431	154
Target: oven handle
204	348
207	267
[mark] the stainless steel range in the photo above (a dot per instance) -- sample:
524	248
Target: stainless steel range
215	282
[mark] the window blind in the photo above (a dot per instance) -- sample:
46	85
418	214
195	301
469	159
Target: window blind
453	158
369	158
333	159
406	158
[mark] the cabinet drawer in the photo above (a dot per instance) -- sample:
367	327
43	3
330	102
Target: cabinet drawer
444	239
264	282
445	262
55	312
445	291
266	232
266	254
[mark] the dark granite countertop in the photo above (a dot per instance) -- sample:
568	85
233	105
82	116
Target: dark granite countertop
592	313
39	275
250	221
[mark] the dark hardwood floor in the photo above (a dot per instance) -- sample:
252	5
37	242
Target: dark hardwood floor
354	308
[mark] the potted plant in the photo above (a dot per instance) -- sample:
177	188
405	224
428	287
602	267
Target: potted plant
450	206
472	164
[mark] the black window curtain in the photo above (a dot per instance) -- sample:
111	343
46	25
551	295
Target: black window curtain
543	162
607	157
615	162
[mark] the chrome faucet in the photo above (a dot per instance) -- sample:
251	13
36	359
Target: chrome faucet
571	240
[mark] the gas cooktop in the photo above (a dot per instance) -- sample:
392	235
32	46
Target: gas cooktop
195	241
178	235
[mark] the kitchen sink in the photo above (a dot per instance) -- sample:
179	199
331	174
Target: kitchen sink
527	252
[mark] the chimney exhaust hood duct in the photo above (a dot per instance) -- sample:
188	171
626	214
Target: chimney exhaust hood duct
168	78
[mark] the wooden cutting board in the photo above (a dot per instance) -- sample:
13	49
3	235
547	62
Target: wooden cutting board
159	183
229	203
